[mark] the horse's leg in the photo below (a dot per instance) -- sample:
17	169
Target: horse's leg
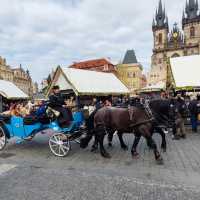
95	145
123	145
100	133
162	134
157	155
110	138
134	152
145	130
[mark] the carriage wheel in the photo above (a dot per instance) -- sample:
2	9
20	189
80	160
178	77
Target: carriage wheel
2	139
59	144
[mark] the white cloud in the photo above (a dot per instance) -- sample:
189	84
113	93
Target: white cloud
40	34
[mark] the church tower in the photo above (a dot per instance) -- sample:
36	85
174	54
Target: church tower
174	43
191	26
160	28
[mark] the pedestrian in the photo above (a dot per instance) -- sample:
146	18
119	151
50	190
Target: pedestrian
180	121
193	113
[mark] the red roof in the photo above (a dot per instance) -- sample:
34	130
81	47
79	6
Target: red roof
91	64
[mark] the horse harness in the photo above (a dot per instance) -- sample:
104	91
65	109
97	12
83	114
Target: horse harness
148	112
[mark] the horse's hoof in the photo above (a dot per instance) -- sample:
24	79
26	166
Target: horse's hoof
125	148
135	155
164	150
160	161
110	145
106	155
94	149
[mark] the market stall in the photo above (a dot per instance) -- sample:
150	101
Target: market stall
10	92
85	83
185	73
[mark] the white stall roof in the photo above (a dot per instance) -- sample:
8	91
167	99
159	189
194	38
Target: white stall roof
186	71
87	82
156	87
11	91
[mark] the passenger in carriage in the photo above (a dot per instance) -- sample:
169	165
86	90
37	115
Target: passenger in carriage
57	102
40	108
17	109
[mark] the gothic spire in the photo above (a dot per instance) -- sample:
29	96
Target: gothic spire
153	23
183	17
191	9
161	20
160	9
167	23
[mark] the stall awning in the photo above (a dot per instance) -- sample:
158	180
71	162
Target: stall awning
10	91
186	71
85	82
154	88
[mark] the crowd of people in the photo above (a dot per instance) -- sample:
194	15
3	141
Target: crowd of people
66	107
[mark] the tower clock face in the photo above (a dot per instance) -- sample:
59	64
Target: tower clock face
175	35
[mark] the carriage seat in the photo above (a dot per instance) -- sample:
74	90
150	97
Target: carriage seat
30	120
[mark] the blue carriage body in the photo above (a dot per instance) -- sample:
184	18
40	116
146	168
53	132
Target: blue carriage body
16	127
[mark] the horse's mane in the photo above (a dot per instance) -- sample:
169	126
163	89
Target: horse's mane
160	109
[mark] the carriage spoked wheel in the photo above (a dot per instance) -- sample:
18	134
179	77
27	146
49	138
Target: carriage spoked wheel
59	144
2	139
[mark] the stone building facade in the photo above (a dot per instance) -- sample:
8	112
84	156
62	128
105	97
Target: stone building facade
174	43
18	76
130	72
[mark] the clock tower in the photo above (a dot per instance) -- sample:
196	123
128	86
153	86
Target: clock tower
173	43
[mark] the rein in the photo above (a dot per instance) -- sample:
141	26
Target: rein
141	123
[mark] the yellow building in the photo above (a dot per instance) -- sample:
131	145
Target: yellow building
130	72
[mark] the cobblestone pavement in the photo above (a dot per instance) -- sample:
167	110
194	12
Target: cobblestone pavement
28	171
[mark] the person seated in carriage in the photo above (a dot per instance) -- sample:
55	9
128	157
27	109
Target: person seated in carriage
57	102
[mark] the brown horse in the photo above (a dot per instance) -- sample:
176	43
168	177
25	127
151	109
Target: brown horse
110	119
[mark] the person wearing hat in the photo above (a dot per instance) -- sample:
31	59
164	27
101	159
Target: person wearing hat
57	102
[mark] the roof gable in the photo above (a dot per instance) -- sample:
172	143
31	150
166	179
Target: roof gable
91	64
130	57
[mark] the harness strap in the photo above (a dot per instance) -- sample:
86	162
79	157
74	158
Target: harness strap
141	123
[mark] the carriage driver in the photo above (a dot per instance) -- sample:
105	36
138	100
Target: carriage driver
57	102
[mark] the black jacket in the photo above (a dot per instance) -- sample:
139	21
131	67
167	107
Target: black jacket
56	100
193	107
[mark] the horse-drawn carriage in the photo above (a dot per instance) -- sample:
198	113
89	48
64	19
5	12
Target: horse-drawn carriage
25	128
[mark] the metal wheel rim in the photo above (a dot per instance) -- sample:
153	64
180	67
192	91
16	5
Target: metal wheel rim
59	145
2	139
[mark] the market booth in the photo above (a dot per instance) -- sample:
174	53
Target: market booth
184	73
153	90
84	83
9	92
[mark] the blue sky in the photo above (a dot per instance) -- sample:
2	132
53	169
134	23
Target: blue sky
41	34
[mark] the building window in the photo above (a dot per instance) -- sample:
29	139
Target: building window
131	75
160	38
192	32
